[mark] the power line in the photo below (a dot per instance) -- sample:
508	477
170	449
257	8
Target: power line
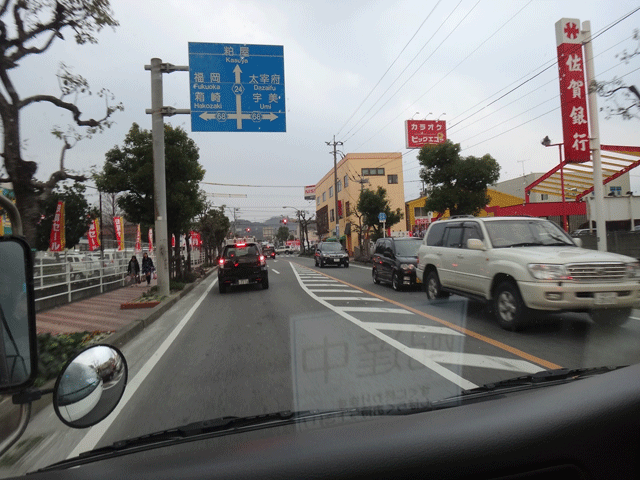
392	64
253	186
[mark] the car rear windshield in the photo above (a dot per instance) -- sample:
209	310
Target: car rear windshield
331	247
408	248
240	250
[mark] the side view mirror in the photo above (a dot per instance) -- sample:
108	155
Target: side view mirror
18	343
90	386
475	244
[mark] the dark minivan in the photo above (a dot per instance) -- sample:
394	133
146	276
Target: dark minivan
395	260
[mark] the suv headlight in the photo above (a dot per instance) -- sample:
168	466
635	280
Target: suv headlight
546	271
633	270
407	266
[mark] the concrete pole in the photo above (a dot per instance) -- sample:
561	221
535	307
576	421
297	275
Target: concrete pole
159	178
598	190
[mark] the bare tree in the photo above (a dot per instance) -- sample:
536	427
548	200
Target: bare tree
30	27
622	99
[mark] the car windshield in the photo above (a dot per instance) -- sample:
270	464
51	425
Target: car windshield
407	248
519	233
364	202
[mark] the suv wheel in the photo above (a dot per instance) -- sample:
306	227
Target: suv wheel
432	286
374	274
508	307
321	263
610	317
395	281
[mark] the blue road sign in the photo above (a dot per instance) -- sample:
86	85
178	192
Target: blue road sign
236	87
382	217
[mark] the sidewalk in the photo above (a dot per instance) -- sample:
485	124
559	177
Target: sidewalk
99	313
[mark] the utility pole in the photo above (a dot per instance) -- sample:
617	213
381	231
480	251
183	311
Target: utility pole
335	182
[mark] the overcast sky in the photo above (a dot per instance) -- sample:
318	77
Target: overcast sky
446	59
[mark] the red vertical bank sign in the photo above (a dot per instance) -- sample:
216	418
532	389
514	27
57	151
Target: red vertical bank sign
573	91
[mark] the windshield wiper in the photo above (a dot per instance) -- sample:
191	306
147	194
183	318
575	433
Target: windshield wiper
527	244
227	425
544	377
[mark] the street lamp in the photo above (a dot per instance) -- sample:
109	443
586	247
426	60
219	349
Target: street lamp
546	141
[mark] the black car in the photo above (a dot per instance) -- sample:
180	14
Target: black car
242	264
395	260
269	251
331	253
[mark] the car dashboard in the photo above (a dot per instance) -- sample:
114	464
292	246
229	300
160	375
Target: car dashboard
588	428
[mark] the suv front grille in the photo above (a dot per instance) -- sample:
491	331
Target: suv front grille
593	272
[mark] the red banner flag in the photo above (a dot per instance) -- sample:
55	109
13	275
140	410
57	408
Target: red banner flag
118	225
138	240
93	235
573	92
173	240
150	240
57	238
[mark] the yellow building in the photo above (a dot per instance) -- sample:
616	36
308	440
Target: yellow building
416	214
357	171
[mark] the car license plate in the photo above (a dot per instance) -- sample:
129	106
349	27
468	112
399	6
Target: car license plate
336	260
244	281
605	298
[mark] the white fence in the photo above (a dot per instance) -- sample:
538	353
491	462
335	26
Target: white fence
64	277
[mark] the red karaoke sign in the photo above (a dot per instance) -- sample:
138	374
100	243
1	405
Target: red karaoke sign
425	132
573	92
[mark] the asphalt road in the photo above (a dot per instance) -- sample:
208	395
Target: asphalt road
320	338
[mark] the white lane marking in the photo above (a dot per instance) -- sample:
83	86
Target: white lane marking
476	360
275	271
327	284
95	433
358	266
634	318
439	369
332	290
363	299
404	327
400	311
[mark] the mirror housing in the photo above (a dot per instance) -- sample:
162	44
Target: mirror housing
18	342
90	386
475	244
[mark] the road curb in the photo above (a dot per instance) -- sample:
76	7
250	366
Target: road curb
9	411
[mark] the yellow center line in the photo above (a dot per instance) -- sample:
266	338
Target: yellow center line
483	338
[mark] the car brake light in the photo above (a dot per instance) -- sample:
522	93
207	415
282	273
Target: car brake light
221	261
239	245
262	260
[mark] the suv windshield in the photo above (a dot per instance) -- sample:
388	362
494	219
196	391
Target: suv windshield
407	248
240	250
331	247
519	233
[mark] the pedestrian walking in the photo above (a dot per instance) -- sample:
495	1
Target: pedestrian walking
133	270
147	267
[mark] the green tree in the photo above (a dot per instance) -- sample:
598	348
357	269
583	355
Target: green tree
213	226
77	214
370	204
455	183
622	98
28	28
282	234
129	169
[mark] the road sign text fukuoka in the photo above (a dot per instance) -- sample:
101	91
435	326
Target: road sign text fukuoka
236	88
419	133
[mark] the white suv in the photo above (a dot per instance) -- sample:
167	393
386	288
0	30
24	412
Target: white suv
523	264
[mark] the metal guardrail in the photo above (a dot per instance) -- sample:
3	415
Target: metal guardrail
64	277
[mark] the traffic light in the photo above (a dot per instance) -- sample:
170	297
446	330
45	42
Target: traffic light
285	221
248	230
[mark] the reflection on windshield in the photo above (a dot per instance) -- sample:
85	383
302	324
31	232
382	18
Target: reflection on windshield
332	247
512	233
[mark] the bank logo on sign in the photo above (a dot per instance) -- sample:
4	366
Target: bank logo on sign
237	88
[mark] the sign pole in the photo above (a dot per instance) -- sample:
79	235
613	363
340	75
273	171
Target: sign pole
384	229
598	190
159	179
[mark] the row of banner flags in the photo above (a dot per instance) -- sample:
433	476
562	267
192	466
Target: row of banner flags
57	241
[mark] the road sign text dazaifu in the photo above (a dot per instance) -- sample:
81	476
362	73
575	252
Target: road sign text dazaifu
237	87
573	92
419	133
